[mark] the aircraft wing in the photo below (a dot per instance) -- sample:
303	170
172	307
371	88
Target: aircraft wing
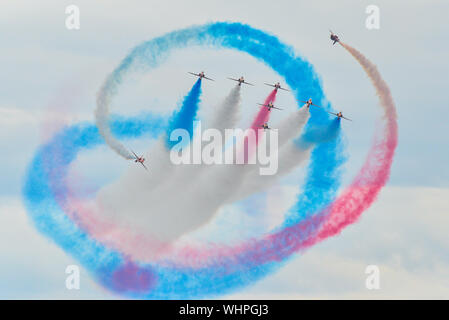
144	166
284	89
208	78
261	104
333	113
195	74
247	83
277	108
135	154
312	103
338	116
234	79
271	85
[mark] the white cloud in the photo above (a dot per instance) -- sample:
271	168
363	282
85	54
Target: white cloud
32	266
404	233
10	116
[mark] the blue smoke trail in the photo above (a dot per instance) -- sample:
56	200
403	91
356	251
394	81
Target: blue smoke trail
323	174
185	117
219	276
319	134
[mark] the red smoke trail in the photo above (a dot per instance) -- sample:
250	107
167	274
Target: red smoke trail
375	172
262	117
264	112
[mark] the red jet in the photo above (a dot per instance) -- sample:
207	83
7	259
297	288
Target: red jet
340	115
310	103
265	126
334	37
276	86
269	106
240	81
201	75
140	160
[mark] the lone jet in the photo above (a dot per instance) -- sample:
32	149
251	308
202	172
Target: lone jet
201	75
334	37
240	81
140	160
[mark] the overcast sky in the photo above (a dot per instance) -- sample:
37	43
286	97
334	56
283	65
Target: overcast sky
50	72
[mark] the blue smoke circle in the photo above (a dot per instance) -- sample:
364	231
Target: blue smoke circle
112	268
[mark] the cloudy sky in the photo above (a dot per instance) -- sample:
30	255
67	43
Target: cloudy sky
51	75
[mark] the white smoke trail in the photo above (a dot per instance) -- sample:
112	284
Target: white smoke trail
102	121
382	90
289	128
228	113
167	203
226	116
290	156
292	125
177	199
235	182
214	184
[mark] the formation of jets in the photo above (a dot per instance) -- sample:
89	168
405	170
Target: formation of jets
240	80
276	86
